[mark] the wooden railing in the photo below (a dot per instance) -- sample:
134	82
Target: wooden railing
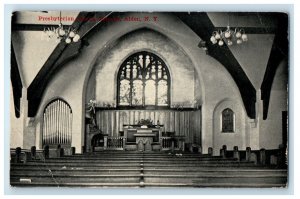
172	143
115	143
166	143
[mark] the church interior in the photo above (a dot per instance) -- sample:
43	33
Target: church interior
196	99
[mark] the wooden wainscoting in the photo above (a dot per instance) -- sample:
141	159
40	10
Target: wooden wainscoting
183	123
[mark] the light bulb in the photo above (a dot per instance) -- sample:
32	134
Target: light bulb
76	38
218	36
72	34
221	42
229	42
227	34
238	34
68	40
61	32
239	41
213	40
244	37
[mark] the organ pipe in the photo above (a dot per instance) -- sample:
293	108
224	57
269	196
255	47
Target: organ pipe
63	123
57	120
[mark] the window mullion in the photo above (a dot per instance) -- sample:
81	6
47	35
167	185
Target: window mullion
131	83
156	83
144	70
168	83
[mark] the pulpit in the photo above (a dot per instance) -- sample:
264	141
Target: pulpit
142	138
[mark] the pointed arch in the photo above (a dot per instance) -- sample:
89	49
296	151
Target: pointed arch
143	80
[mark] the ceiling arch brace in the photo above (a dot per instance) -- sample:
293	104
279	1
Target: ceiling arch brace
60	55
200	23
16	82
278	53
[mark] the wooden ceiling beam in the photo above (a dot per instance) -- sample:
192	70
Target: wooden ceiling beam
61	54
279	52
34	27
16	82
201	24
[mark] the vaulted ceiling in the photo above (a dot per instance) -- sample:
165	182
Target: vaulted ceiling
203	24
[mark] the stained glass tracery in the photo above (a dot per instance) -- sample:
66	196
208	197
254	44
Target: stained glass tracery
143	80
227	120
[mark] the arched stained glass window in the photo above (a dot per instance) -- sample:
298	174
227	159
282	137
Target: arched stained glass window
143	80
227	121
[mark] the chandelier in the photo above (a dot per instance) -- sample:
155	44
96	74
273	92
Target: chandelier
229	36
61	33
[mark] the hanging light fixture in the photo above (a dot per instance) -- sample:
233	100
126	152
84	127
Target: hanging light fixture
61	34
229	36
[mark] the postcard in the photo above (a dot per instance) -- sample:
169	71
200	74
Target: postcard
149	99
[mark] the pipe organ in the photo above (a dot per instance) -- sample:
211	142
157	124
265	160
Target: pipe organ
57	124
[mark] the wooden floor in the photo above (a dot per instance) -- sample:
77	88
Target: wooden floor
144	169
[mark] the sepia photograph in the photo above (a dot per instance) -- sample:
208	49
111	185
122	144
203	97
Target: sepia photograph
110	99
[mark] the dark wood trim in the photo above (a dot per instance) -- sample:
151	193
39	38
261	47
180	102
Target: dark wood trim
279	52
285	128
253	30
16	81
147	108
198	22
34	27
61	54
201	24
